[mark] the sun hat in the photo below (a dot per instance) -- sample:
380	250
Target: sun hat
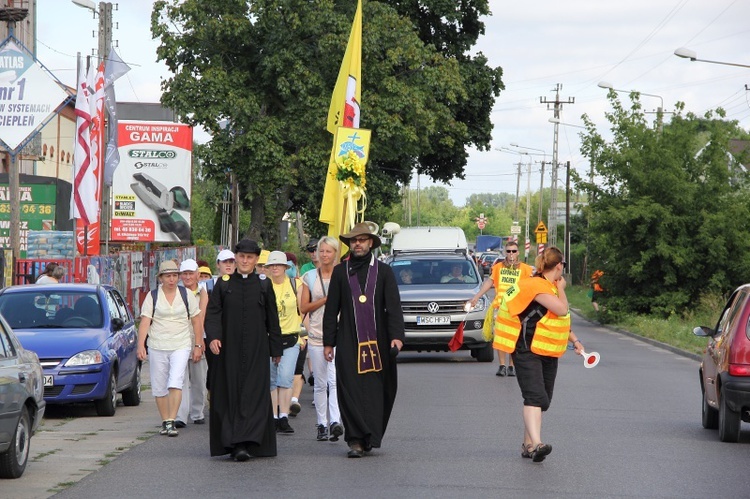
263	258
277	258
361	229
189	265
224	254
168	267
204	270
247	246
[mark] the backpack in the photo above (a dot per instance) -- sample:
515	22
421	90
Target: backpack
183	293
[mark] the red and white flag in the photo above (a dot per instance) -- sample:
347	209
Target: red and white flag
85	203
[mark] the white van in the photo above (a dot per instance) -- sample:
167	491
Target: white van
450	239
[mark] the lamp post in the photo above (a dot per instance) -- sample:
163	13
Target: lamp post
686	53
659	110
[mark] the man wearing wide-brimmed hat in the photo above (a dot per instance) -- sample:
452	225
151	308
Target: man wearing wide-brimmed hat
364	321
242	330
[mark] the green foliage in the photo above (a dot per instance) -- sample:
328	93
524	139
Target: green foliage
667	214
259	75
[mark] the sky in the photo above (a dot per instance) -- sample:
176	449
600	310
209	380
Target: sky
539	45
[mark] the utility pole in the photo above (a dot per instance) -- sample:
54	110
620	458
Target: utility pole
541	193
518	188
553	194
105	45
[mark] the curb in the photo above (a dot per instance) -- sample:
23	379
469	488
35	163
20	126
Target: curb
650	341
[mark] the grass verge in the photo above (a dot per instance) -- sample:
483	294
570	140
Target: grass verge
675	330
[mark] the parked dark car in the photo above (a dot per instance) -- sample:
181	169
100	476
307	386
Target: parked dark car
21	402
85	337
725	368
486	261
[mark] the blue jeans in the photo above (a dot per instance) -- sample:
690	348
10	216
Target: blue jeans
282	375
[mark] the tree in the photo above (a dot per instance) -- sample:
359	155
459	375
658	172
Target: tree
258	76
666	221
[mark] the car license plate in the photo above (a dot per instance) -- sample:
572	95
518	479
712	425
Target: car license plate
429	320
49	380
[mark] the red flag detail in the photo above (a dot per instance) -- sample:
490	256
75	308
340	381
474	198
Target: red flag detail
458	338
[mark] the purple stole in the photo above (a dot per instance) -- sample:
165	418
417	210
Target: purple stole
364	320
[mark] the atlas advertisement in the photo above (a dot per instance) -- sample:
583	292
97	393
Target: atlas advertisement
151	188
38	203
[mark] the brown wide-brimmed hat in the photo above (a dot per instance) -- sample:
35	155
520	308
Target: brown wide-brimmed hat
361	229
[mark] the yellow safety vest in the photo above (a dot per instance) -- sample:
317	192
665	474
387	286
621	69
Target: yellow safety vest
552	331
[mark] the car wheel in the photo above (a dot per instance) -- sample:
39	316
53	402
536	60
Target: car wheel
484	354
13	461
108	405
729	421
709	415
132	396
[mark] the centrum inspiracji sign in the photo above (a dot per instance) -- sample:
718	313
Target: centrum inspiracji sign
28	95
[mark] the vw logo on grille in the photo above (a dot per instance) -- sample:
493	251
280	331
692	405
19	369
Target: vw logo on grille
433	307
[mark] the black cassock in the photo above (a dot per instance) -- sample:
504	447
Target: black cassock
365	400
242	314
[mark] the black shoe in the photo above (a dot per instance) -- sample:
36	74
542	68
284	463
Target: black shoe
322	433
502	371
284	426
511	371
199	421
294	409
355	450
240	453
540	452
179	424
336	431
368	447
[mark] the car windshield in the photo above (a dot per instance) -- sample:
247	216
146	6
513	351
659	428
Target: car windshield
490	257
437	270
42	308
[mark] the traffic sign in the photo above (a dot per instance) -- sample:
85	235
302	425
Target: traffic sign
541	227
515	229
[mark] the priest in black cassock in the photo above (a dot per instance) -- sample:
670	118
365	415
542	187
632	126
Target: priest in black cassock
242	330
364	322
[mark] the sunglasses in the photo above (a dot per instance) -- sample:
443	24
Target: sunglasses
511	251
360	240
564	264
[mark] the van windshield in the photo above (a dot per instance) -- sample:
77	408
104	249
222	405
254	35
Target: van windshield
436	270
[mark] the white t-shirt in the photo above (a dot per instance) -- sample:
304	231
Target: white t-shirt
170	327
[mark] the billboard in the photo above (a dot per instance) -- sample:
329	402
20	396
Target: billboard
151	187
28	95
38	202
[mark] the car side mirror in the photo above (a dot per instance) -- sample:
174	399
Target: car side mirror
117	324
704	331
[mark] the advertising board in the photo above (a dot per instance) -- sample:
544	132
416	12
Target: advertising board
151	188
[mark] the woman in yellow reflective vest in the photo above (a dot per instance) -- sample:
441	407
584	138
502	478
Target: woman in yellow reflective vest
533	324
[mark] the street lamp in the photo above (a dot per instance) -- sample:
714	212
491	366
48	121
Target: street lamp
607	85
686	53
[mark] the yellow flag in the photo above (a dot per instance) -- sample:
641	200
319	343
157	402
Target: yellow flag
344	110
347	203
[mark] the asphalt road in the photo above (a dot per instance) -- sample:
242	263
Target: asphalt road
630	427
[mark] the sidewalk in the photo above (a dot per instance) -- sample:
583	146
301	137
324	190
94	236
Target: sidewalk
73	441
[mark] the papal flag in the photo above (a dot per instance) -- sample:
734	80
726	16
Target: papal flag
344	111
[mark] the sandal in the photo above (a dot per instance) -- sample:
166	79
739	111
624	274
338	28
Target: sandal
526	451
540	452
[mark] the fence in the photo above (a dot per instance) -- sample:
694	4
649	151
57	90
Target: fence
131	273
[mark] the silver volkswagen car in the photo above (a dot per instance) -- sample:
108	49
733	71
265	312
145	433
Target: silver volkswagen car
435	286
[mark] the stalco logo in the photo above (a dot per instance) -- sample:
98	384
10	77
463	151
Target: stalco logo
151	154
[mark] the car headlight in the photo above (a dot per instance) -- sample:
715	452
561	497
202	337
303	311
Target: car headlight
481	304
85	358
